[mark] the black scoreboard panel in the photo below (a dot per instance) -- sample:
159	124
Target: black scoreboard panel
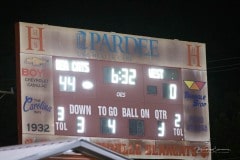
98	98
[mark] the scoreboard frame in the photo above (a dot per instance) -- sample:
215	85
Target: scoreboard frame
143	97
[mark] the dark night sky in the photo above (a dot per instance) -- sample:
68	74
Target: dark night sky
215	23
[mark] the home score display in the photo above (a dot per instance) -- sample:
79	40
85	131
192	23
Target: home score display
122	99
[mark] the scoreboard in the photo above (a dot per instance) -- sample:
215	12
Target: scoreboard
135	95
123	100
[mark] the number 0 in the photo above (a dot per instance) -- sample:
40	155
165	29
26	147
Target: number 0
172	91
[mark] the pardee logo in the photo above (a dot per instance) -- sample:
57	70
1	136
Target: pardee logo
195	85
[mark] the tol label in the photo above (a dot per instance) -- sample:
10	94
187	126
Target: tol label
61	126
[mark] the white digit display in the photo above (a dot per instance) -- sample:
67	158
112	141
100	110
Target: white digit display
60	113
112	125
80	124
177	120
124	73
67	83
114	76
132	76
161	129
120	75
173	91
170	90
108	126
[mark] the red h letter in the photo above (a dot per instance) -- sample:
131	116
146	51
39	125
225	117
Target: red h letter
35	35
193	52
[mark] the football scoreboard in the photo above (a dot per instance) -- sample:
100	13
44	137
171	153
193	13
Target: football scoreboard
143	97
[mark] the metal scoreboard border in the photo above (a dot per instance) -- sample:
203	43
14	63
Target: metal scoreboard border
38	44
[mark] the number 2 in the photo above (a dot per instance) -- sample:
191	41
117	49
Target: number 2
177	120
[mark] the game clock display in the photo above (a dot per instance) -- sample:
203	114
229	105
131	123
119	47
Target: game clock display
98	98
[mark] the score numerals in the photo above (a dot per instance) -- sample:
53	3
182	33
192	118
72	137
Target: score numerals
67	83
109	125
